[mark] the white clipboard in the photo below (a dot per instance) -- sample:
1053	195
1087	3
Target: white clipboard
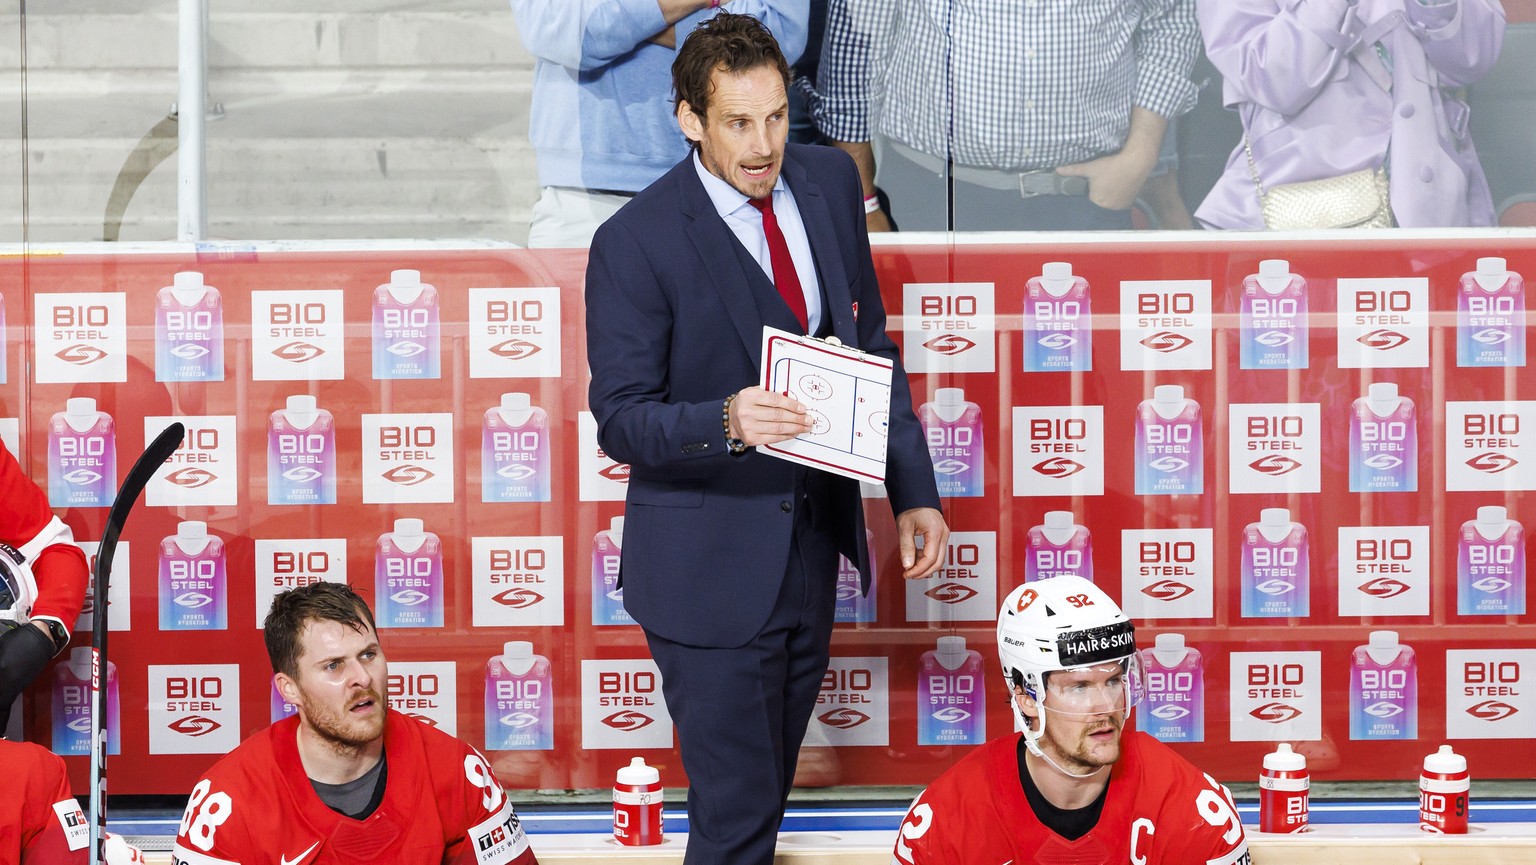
846	391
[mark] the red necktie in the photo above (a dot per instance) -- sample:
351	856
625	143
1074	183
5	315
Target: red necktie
785	279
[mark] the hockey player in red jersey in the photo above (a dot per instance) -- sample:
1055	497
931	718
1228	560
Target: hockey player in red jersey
346	780
42	582
1074	786
40	821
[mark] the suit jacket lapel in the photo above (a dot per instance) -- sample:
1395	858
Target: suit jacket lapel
817	216
716	247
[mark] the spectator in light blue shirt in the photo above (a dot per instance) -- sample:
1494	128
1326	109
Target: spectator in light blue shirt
602	122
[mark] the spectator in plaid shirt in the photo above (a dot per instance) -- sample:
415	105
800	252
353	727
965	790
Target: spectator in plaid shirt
1041	114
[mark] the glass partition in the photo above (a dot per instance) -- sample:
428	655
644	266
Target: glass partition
385	122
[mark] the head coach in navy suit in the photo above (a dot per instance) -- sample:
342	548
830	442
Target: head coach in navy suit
730	555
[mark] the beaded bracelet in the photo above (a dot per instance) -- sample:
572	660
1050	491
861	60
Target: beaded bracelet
734	445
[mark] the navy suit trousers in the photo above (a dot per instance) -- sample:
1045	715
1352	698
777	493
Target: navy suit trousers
741	713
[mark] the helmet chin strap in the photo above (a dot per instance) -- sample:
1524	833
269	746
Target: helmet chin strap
1032	740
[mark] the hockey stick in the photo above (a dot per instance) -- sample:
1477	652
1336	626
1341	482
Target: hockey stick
143	469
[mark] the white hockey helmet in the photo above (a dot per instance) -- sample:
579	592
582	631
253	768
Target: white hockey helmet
1062	623
17	589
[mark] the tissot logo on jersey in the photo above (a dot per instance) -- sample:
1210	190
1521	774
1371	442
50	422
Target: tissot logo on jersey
1384	570
194	709
1488	445
427	690
949	327
297	336
518	581
204	470
853	707
1276	696
1489	694
80	337
622	705
1165	324
964	589
408	458
1383	322
1168	573
514	333
1058	450
1275	447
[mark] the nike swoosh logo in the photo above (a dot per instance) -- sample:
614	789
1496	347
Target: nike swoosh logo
301	857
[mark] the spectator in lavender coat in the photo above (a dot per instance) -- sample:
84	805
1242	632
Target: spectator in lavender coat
1328	87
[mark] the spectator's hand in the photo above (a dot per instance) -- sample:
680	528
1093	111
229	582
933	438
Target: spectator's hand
877	222
24	651
761	417
1114	181
929	523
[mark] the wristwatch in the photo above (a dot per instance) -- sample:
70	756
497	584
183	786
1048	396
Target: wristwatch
57	631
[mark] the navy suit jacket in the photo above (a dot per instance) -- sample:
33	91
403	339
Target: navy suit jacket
675	315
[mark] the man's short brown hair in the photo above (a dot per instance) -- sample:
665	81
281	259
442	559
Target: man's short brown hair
729	42
294	609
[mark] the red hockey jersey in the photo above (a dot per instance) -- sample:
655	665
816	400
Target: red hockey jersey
1160	810
441	805
40	822
28	524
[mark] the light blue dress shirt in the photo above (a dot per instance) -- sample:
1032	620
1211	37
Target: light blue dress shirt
746	222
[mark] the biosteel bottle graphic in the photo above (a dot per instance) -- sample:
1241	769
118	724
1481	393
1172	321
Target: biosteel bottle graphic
405	328
1383	689
1490	316
514	451
408	577
953	429
853	604
281	708
82	456
72	705
607	596
1383	442
301	454
1490	565
1169	452
1175	704
1276	567
189	330
1058	547
951	695
1058	321
193	589
519	700
1273	318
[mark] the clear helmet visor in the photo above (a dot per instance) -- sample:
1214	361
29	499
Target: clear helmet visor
1097	689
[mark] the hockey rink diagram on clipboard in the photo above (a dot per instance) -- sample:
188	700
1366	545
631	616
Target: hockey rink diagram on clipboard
847	394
